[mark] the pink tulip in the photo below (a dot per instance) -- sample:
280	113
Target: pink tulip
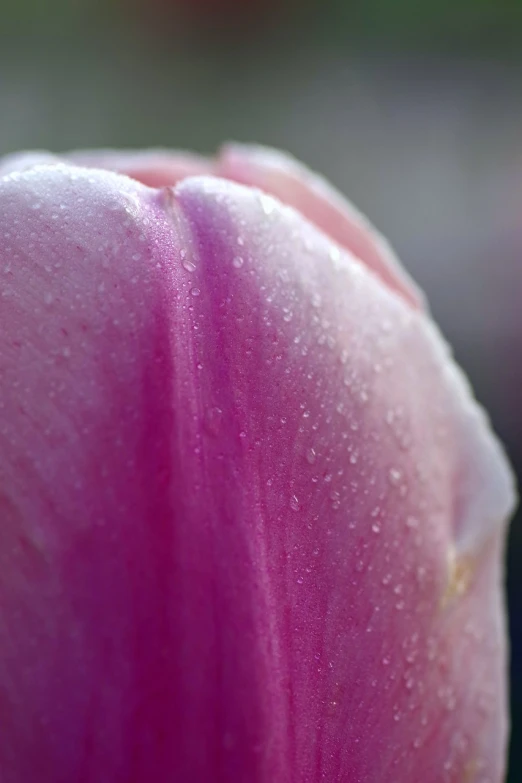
252	519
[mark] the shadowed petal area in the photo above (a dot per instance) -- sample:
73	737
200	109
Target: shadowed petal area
252	519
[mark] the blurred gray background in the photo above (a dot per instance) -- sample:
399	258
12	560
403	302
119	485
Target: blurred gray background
412	109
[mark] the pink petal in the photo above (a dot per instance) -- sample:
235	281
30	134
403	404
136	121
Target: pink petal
253	520
297	186
155	168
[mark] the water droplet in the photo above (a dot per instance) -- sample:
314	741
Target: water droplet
195	291
376	528
238	262
394	476
294	503
299	580
268	204
336	500
189	266
311	456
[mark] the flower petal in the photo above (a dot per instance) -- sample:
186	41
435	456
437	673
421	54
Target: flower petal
377	499
91	421
295	185
155	168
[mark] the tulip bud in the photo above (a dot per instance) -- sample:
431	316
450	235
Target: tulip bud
252	519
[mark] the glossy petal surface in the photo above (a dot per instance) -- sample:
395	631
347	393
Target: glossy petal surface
297	186
252	520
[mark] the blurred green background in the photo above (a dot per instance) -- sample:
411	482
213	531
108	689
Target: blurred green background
413	109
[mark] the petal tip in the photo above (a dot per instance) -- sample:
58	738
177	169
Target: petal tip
294	184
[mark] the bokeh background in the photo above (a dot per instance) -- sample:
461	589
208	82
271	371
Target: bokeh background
413	109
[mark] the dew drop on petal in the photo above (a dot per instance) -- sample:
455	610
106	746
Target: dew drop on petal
294	503
267	204
311	456
394	476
